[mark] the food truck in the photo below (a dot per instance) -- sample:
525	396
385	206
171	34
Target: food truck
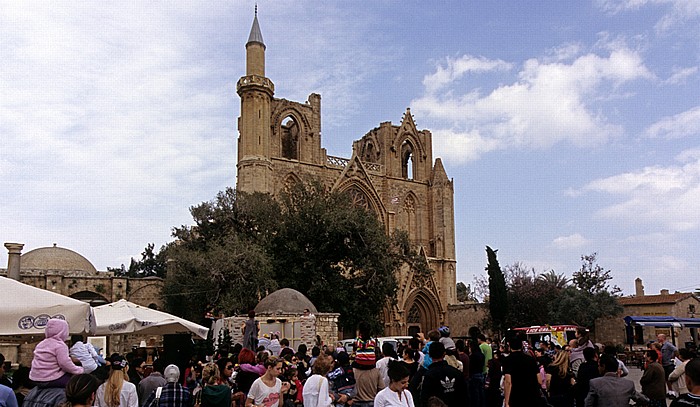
559	334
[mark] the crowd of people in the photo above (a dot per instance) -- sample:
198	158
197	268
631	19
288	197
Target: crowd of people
430	370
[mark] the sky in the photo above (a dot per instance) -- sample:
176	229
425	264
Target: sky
569	128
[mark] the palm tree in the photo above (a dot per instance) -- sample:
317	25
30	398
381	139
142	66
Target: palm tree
554	280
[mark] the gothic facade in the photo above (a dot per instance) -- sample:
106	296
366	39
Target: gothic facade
390	171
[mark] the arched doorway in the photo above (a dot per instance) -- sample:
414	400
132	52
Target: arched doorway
422	312
90	297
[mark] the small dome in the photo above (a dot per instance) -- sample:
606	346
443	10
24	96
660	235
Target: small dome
55	258
284	301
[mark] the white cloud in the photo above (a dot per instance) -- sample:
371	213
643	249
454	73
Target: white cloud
455	69
108	122
680	75
657	196
550	102
570	242
683	124
677	12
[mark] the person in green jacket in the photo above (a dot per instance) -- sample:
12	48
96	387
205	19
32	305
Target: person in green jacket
214	393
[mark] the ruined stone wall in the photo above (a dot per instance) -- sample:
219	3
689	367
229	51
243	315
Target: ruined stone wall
464	315
324	324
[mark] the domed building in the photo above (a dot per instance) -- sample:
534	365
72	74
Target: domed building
67	272
55	258
285	301
291	315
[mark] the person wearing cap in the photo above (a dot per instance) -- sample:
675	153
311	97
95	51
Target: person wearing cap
117	391
152	382
172	394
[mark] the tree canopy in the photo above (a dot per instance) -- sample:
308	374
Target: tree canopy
551	298
244	246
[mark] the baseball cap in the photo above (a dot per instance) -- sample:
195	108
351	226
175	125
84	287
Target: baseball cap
171	374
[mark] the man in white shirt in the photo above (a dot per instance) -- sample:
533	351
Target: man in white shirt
84	352
383	363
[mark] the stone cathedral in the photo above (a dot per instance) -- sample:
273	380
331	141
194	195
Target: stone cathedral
390	171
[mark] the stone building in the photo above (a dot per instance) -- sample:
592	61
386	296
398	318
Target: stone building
680	305
390	171
66	272
282	311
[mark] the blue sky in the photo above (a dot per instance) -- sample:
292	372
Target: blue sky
568	127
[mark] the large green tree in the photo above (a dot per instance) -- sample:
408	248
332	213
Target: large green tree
336	253
243	246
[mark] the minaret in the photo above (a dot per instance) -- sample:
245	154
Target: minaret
256	92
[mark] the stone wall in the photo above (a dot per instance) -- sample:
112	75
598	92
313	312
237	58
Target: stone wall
102	284
464	315
296	328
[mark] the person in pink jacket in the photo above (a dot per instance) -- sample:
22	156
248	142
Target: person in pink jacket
52	366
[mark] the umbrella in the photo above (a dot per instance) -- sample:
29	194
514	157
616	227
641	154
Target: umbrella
124	317
26	309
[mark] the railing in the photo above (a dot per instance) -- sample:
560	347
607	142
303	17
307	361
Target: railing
340	162
373	167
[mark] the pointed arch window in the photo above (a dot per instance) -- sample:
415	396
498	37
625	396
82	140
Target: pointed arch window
290	138
407	162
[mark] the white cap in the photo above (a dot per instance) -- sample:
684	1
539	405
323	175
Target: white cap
172	374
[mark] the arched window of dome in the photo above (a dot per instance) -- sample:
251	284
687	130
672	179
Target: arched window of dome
290	138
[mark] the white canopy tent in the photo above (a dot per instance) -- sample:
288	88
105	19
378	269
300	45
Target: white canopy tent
124	317
26	309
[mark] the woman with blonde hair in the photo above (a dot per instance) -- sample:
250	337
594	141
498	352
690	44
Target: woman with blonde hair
316	389
214	392
560	381
117	391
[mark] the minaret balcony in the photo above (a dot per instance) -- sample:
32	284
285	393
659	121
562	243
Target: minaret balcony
255	81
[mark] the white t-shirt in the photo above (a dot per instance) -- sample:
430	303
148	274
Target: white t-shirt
263	395
127	398
383	366
390	398
316	393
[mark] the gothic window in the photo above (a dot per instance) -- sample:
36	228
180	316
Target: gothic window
407	164
290	138
358	198
413	315
409	210
370	153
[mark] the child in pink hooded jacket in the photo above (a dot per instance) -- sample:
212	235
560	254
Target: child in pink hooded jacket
52	366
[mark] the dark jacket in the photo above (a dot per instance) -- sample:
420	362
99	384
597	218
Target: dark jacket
446	383
216	396
653	382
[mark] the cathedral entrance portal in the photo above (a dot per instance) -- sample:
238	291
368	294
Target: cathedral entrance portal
422	313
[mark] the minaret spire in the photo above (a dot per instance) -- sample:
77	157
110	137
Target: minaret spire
255	33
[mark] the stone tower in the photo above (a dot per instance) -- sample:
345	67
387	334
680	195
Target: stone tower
256	92
391	172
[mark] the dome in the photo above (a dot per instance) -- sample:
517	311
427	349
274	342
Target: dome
55	258
284	301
